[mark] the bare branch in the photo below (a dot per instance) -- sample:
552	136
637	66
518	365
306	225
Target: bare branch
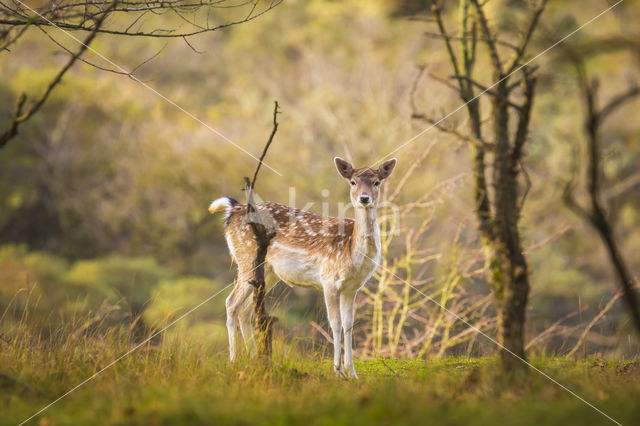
90	16
9	37
617	102
263	237
439	36
77	16
609	44
570	201
595	319
199	52
527	180
445	82
447	129
276	111
533	23
92	64
437	123
146	61
435	8
489	39
19	116
524	117
622	187
135	21
486	90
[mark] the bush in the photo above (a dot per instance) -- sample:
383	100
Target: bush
18	267
30	278
119	279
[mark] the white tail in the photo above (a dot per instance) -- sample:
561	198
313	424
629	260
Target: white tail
224	203
335	255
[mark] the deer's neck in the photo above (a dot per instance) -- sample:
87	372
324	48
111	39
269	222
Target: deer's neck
366	235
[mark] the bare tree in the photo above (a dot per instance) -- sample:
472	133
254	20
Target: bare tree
497	211
595	214
130	18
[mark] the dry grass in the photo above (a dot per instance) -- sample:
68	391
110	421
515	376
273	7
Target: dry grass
181	381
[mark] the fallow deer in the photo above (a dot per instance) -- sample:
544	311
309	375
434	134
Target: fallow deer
335	255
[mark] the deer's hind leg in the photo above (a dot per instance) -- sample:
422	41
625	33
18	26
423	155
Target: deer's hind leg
246	328
234	304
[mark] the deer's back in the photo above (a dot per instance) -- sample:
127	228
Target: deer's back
305	246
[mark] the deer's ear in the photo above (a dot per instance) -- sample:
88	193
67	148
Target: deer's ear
385	170
344	168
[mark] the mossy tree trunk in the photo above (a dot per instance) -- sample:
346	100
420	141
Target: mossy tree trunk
497	211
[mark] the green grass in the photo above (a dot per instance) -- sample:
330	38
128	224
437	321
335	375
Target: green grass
182	382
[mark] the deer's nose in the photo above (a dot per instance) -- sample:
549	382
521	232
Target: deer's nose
365	199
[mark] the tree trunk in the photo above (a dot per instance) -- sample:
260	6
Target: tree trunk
509	269
498	213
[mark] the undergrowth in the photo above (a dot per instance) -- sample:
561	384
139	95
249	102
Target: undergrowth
179	381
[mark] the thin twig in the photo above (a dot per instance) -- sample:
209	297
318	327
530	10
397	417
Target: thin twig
484	89
460	38
24	19
276	111
443	128
489	39
597	318
533	24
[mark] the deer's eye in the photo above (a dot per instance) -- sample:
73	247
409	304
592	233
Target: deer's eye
377	183
353	183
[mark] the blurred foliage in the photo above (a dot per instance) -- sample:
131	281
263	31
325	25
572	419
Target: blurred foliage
116	278
172	299
32	281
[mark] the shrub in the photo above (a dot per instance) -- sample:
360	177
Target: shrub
119	279
28	276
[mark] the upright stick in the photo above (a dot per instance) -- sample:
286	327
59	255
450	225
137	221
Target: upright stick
263	237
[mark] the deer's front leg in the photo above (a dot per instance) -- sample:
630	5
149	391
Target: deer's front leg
347	303
332	300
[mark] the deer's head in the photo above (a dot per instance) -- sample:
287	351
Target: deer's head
365	181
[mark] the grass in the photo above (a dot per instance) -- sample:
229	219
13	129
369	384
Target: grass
180	381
